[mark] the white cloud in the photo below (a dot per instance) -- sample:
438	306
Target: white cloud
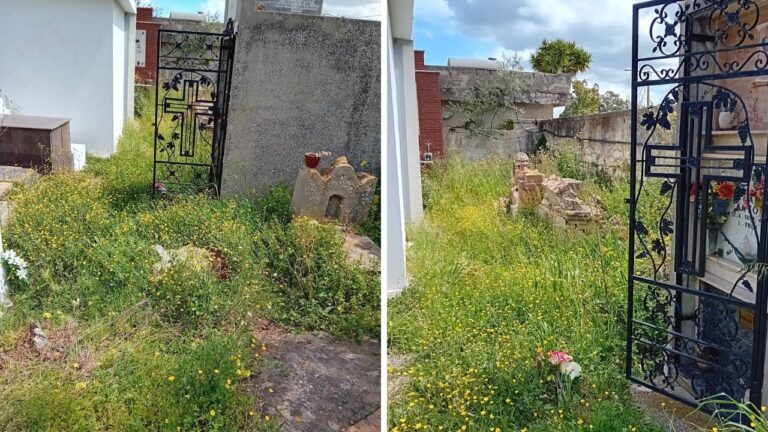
432	10
603	27
359	9
213	7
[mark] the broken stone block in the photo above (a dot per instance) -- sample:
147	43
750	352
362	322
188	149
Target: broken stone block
362	250
336	193
562	205
198	258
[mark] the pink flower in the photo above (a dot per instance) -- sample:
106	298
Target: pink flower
557	357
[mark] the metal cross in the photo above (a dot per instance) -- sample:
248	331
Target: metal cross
190	108
694	163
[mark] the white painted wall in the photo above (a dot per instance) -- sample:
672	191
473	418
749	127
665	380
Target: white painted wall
403	199
69	59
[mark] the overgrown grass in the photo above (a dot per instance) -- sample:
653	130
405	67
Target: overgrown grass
138	350
489	292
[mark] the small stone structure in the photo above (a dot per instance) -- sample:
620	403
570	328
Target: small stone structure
556	198
337	193
563	206
527	190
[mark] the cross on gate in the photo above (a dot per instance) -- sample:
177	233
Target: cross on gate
189	107
694	163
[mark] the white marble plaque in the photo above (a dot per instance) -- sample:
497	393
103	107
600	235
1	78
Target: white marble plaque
740	230
141	48
305	7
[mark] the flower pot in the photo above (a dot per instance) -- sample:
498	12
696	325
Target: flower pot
727	120
311	160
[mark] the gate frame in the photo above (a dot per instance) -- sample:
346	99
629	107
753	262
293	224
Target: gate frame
219	107
761	295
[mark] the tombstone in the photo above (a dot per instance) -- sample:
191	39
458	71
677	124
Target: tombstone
337	193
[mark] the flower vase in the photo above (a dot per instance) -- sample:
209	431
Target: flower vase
712	236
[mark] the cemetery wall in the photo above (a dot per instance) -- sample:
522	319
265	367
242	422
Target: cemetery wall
301	84
602	139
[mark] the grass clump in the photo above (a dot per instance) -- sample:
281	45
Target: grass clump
489	293
306	262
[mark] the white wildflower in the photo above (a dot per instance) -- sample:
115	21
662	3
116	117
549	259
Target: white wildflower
21	273
571	369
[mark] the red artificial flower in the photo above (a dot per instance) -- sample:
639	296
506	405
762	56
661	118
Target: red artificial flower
557	357
726	190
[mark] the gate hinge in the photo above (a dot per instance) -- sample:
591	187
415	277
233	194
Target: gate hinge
627	200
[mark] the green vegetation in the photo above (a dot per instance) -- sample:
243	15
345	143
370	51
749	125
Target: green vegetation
492	292
134	349
560	56
586	100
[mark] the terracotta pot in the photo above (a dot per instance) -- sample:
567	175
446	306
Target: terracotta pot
311	160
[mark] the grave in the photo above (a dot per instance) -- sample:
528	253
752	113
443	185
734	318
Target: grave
336	193
555	198
35	142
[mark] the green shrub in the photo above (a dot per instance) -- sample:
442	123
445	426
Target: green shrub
305	260
568	163
275	205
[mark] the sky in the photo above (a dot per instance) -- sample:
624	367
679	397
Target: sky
491	28
363	9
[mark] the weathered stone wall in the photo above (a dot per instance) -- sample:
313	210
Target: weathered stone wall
457	84
602	139
476	146
301	84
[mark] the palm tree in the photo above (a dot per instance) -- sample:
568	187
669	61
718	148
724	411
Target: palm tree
560	56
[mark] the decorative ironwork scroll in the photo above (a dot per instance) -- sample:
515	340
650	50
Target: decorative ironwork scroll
194	73
697	290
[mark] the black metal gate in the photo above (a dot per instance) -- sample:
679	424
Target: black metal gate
697	293
194	76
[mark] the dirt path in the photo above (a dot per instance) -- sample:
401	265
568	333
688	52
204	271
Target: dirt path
315	383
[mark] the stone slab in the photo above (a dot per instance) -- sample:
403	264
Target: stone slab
14	174
315	383
5	187
362	250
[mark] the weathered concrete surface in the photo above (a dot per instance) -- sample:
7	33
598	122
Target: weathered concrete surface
337	193
478	147
602	139
316	383
457	84
301	84
668	414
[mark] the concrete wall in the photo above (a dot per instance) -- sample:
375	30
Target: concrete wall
69	59
602	139
301	84
541	94
457	84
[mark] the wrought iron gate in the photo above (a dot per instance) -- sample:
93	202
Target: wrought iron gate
696	324
194	75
